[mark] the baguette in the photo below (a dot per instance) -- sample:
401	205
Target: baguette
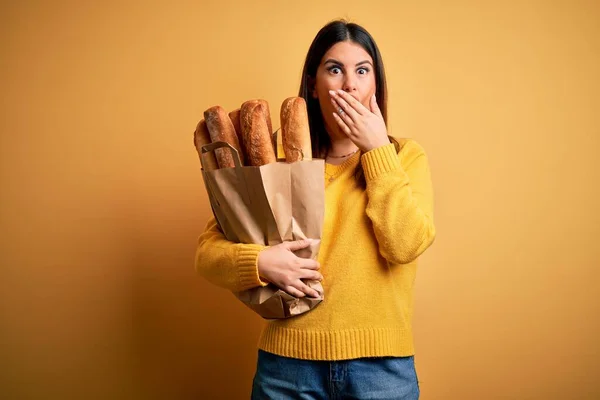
221	129
235	119
255	131
295	130
202	138
267	114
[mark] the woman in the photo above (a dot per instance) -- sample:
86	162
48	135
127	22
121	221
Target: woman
378	219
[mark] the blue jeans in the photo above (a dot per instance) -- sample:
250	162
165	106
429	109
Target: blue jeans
383	378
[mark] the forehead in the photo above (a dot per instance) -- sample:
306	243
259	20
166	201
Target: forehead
348	53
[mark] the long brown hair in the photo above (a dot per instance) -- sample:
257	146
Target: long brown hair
332	33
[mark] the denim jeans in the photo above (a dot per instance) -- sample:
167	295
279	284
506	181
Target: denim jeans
382	378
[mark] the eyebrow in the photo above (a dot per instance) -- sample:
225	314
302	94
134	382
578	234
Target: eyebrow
333	61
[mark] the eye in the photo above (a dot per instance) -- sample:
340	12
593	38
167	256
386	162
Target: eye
334	70
363	71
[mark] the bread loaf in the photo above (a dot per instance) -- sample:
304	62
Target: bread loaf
295	132
267	116
221	129
255	131
265	105
270	126
235	119
202	138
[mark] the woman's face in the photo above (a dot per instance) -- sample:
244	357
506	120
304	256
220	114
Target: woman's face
346	66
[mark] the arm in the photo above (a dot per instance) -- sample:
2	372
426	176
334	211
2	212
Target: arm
400	201
233	266
237	267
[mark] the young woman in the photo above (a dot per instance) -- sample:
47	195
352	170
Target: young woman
358	342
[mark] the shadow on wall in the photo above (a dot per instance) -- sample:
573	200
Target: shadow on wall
190	338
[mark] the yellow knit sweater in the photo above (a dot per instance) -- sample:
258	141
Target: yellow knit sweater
370	243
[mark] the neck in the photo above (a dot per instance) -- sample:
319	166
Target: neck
342	147
340	151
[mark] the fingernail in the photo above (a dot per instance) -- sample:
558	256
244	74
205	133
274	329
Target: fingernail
332	92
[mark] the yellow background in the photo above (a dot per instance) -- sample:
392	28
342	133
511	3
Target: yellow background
102	198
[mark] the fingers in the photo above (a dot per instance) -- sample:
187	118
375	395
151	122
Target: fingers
297	244
308	263
343	126
311	292
301	289
375	107
293	291
349	103
298	288
312	275
293	270
342	113
344	109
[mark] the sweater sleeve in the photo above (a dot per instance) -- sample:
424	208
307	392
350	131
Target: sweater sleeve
400	200
233	266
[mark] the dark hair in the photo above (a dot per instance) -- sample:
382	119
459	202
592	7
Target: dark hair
332	33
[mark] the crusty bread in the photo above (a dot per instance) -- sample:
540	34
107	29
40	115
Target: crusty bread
221	129
265	105
255	130
235	119
295	130
202	138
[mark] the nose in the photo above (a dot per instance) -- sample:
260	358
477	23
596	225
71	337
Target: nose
349	84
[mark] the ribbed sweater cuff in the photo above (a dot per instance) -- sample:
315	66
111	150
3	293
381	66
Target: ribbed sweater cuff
380	161
247	261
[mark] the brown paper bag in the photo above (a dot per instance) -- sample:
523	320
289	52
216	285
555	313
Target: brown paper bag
269	205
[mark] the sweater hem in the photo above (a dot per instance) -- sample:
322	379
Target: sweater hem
337	345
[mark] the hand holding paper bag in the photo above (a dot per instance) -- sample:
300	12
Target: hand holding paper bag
274	204
279	265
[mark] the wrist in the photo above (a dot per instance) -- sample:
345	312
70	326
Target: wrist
377	145
260	265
